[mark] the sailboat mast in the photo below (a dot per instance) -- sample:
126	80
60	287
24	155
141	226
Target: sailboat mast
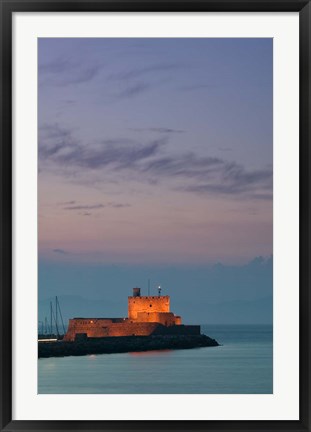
61	316
51	312
56	318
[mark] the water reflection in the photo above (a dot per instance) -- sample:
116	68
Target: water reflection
152	353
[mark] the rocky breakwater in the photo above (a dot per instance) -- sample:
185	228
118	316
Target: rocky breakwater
110	345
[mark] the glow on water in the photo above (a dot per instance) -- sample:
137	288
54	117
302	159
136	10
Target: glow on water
243	364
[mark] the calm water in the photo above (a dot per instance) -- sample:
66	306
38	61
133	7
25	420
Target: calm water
243	364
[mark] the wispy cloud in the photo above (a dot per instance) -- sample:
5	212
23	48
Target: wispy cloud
85	207
141	79
58	145
55	140
141	71
95	206
67	203
213	175
162	130
60	251
150	162
234	179
56	66
61	72
118	205
134	90
185	164
116	156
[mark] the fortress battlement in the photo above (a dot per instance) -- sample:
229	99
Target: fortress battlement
147	315
148	297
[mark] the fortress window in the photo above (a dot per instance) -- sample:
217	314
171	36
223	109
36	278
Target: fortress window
150	306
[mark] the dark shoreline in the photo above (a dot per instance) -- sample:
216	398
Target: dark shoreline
114	345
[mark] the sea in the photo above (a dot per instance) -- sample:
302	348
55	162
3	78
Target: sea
242	364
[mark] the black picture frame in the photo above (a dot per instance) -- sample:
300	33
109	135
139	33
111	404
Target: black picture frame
8	7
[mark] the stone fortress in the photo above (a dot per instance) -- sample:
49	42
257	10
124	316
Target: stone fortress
147	315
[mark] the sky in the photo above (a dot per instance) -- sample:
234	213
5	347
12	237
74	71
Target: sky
155	161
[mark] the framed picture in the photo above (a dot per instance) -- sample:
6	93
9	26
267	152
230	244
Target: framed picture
155	215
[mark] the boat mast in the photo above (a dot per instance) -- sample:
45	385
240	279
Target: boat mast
56	318
51	312
61	316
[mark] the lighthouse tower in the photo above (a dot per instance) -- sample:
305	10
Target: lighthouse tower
151	309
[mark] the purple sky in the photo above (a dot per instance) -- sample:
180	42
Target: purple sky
155	162
155	151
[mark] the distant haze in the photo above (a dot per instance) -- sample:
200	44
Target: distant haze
205	294
155	162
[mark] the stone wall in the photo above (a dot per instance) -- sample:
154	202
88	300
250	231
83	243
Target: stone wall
105	328
92	328
147	304
165	318
132	329
146	315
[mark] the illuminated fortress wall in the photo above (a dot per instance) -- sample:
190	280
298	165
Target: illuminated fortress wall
146	315
96	327
138	305
165	318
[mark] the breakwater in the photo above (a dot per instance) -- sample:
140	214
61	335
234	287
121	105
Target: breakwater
110	345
